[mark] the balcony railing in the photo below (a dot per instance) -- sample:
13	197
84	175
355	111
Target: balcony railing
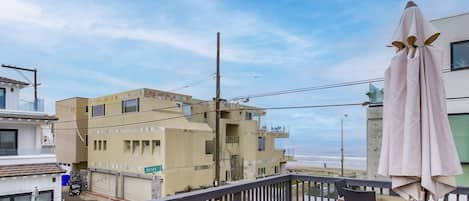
296	187
30	106
28	156
278	132
232	139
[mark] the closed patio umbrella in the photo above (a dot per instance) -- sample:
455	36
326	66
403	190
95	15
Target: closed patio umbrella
418	150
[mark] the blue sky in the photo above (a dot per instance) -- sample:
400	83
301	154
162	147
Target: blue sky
93	48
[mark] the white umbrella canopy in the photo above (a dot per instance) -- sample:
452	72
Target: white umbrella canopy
418	150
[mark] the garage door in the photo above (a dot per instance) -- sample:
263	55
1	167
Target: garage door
103	184
136	189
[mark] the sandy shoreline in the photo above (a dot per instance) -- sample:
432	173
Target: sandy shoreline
331	172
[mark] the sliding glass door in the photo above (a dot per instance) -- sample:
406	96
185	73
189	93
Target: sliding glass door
2	98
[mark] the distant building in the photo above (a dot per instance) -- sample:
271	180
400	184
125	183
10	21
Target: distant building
72	144
454	41
28	169
145	143
248	149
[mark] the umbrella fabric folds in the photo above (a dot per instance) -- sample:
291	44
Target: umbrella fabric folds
418	150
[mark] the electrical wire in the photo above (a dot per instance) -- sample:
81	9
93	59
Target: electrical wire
313	88
239	109
120	114
192	84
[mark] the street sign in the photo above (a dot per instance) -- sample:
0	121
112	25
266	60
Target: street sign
152	169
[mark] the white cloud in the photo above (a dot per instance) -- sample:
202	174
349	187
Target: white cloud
367	66
21	12
198	42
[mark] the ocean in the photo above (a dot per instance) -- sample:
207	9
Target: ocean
350	162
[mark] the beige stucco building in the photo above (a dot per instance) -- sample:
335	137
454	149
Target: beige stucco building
146	143
247	150
71	149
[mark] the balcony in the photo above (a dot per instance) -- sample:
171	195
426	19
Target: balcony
277	132
29	156
29	106
297	187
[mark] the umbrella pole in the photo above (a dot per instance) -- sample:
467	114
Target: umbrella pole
426	195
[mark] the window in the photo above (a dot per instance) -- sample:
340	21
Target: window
209	147
99	145
98	110
187	111
2	98
86	140
104	145
460	126
135	146
86	109
8	142
224	114
261	143
94	145
155	144
131	105
261	171
248	116
460	55
17	197
127	146
146	147
205	115
43	196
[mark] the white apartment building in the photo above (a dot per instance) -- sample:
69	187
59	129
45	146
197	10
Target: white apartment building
28	169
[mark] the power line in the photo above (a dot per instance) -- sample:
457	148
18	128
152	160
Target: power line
274	93
239	109
120	114
313	88
195	83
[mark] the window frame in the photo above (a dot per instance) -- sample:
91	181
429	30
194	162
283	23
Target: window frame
261	141
5	97
452	56
16	140
12	196
123	105
92	111
457	114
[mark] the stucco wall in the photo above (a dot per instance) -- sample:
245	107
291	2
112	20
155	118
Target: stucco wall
29	137
181	148
12	98
71	144
454	29
17	185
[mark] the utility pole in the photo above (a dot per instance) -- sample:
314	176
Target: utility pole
34	70
342	145
217	117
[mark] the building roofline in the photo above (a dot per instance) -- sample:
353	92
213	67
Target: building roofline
12	81
140	89
74	97
451	16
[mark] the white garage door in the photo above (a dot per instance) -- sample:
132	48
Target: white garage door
103	184
136	189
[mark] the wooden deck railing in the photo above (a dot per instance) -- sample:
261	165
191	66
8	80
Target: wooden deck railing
292	187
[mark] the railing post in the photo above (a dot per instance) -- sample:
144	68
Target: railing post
288	189
237	196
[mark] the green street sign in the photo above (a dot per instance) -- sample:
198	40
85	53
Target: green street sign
152	169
